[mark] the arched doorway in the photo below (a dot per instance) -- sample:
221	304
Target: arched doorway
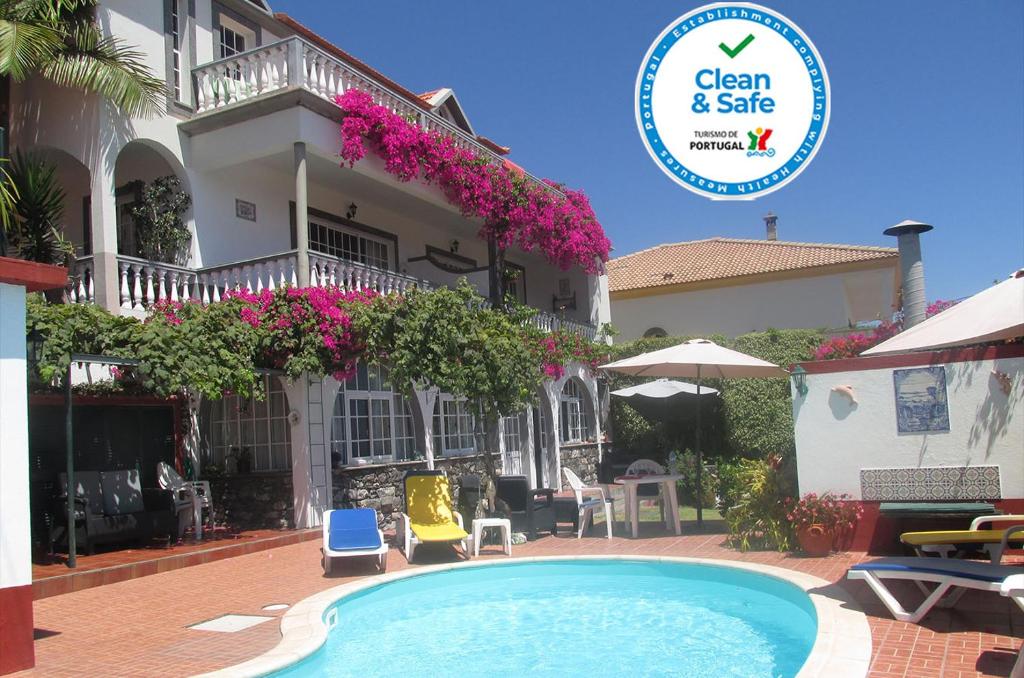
74	180
139	163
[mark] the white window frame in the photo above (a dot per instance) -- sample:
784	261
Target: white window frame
392	437
176	45
574	424
237	30
237	423
364	242
449	410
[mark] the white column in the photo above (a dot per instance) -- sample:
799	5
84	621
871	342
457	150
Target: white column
301	215
528	449
103	221
423	403
553	453
15	537
311	463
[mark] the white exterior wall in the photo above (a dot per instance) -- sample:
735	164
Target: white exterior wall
835	440
15	538
815	301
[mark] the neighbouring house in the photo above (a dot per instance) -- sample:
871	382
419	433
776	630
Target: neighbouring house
251	130
733	286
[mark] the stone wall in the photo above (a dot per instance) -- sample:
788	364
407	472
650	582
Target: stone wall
583	460
254	501
379	486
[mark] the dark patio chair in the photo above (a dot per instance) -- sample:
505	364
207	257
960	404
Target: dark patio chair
531	511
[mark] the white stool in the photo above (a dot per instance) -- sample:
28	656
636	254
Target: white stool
479	524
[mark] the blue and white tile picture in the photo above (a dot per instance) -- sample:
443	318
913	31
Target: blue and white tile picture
921	405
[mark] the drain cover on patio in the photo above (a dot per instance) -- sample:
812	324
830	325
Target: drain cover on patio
230	623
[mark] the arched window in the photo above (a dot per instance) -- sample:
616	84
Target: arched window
249	429
576	421
655	332
371	422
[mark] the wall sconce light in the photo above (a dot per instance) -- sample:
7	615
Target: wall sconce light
352	209
799	377
453	246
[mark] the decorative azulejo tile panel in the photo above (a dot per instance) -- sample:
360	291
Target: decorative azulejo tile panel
930	483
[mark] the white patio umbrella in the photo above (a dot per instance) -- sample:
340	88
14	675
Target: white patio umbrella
696	358
990	315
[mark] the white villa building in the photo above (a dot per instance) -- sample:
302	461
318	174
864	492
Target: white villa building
251	131
732	286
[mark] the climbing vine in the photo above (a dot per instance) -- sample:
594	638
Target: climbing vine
514	209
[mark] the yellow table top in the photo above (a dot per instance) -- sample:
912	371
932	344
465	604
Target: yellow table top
957	537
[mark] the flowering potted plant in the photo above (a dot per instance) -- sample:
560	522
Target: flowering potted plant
820	520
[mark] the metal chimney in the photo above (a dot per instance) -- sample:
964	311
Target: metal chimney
770	222
911	269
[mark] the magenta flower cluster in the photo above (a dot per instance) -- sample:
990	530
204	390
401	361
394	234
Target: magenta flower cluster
308	320
852	345
560	348
514	209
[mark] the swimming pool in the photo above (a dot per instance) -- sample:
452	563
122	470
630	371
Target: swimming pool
568	617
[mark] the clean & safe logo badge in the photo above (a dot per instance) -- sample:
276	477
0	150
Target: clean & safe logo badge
732	101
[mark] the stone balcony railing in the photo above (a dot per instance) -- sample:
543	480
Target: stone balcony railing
142	283
295	64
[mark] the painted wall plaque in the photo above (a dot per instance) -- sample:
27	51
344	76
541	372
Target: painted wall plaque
921	404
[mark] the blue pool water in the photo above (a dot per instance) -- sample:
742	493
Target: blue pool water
571	618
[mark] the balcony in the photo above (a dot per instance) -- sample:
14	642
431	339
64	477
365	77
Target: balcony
260	79
141	283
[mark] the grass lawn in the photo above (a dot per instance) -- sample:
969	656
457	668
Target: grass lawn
649	510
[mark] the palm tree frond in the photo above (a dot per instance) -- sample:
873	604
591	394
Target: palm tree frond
109	68
25	47
8	198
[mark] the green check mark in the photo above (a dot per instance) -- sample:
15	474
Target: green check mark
731	53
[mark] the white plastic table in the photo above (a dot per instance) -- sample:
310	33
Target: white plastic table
667	481
506	533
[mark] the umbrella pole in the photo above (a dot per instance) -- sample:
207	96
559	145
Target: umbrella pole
700	461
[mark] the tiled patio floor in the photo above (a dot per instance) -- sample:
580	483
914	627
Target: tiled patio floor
108	567
138	627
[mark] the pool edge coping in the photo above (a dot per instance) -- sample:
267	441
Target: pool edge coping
842	646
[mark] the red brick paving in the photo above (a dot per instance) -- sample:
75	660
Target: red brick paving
138	627
109	567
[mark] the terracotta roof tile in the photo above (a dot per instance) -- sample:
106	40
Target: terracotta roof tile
721	258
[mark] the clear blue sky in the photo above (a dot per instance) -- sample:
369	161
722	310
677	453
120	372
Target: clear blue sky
927	120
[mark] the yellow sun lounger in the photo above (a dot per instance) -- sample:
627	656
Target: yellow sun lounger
429	515
993	541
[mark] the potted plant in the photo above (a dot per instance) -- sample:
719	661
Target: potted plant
819	520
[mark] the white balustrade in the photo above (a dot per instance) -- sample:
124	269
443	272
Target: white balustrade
143	283
80	286
241	77
250	75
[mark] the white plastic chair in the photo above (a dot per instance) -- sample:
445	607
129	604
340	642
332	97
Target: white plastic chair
645	467
197	491
587	506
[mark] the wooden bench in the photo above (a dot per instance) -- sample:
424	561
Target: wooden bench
946	509
916	516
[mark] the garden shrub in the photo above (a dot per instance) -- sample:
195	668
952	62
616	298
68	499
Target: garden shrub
758	518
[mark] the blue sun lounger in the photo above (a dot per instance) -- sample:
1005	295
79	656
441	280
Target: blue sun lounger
353	532
947	573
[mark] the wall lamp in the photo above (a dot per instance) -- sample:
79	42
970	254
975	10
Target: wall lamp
352	209
799	377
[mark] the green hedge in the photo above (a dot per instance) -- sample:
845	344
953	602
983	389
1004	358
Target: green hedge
754	417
